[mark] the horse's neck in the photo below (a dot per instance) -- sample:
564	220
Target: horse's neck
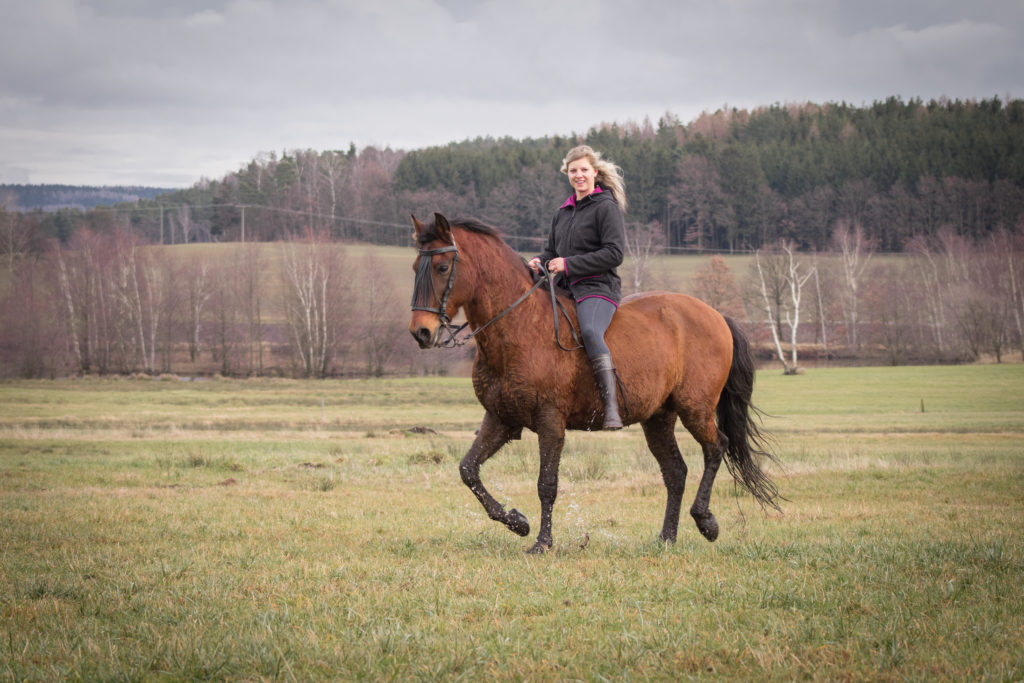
497	289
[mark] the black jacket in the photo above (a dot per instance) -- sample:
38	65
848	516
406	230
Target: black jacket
590	235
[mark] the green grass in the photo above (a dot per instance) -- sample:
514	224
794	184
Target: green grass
305	530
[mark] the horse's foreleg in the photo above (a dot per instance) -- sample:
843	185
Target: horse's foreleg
700	510
551	438
659	430
492	436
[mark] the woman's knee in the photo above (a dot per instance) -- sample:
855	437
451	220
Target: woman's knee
593	340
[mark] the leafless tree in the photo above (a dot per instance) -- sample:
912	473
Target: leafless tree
855	251
183	217
83	275
334	173
716	286
199	287
126	290
314	299
74	334
251	277
790	277
382	320
30	322
643	242
889	299
1009	250
930	273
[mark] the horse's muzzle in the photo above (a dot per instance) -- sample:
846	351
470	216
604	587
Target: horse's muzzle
426	338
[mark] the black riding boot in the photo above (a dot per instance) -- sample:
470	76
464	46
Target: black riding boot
604	373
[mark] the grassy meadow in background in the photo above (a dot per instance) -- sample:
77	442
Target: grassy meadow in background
296	530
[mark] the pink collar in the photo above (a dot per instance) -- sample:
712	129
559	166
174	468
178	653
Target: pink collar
571	201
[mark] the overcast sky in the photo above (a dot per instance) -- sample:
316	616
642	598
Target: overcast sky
164	92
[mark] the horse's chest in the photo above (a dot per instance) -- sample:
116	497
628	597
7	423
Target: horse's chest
507	394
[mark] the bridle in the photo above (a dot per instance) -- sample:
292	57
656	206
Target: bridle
423	285
423	288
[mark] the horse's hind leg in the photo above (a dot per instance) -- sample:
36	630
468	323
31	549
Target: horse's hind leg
659	430
713	443
492	436
551	438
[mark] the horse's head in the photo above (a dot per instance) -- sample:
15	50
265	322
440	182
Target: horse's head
435	297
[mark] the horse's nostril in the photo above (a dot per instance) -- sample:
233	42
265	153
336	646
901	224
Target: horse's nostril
422	335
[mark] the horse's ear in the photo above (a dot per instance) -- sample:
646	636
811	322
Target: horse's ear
444	231
417	228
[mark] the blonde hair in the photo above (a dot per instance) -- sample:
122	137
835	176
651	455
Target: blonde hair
609	175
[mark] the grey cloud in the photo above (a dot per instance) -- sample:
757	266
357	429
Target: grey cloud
145	89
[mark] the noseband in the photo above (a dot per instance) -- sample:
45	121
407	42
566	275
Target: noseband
423	292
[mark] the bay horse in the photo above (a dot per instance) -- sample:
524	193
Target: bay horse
676	357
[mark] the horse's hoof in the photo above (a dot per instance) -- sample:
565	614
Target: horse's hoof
708	526
539	548
517	523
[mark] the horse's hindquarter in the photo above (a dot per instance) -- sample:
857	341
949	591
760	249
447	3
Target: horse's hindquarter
661	341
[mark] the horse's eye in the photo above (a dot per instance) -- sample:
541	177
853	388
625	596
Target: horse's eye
443	268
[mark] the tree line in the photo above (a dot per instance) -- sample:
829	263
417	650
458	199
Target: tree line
732	180
821	196
52	197
106	303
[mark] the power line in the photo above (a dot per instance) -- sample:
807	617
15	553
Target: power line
202	207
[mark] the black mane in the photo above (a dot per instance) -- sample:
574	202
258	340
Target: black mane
429	233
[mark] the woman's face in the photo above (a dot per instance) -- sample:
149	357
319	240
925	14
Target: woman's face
582	176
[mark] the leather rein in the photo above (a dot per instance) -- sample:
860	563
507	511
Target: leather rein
422	286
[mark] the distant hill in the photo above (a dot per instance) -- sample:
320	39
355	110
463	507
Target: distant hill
54	197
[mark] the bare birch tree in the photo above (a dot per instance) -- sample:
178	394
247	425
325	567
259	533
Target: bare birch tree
643	242
855	251
199	287
183	215
73	331
314	296
794	275
1013	253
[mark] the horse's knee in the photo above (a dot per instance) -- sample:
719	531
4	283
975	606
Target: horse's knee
673	473
469	470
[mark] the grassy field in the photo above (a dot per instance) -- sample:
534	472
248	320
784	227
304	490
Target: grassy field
318	530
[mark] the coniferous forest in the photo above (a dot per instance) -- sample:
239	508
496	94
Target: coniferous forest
732	180
812	191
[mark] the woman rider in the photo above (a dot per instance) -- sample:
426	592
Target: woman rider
585	246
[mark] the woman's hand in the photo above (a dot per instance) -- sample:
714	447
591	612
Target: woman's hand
555	265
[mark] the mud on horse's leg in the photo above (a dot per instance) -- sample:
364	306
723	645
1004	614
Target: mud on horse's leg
551	438
659	430
700	511
492	436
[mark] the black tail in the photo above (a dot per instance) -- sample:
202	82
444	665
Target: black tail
736	420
